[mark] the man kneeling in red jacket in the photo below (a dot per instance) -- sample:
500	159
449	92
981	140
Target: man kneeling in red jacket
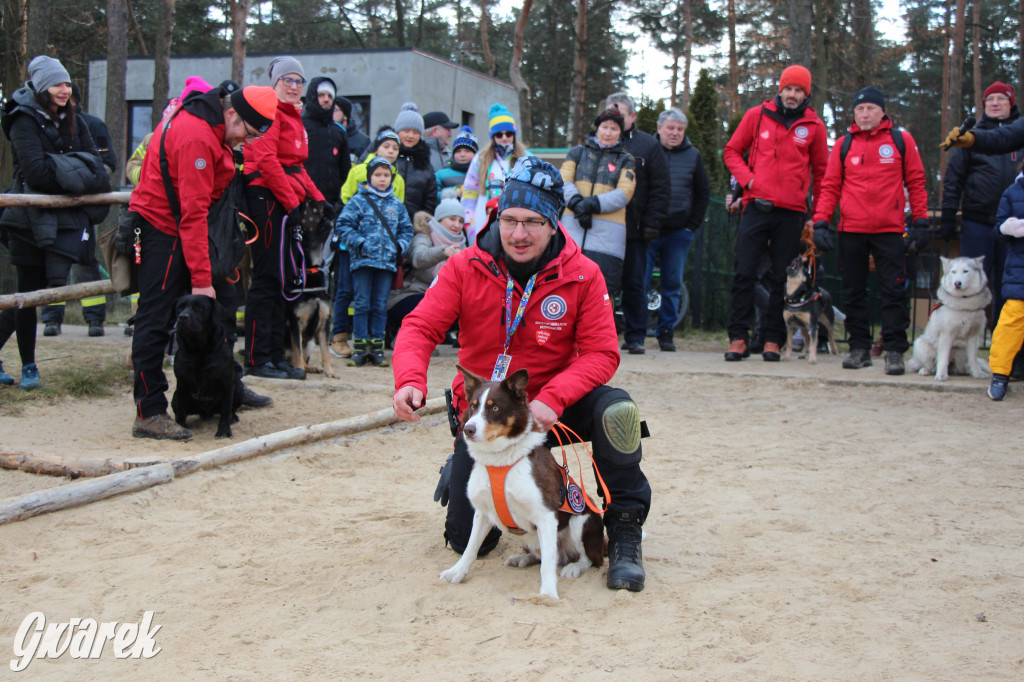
560	327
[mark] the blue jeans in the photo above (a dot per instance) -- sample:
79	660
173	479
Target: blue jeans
672	250
342	294
371	288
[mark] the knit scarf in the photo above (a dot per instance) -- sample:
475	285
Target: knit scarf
440	236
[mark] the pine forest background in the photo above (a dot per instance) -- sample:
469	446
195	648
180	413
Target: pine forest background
564	56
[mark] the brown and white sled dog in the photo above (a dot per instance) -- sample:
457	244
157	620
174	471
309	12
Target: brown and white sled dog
500	432
956	326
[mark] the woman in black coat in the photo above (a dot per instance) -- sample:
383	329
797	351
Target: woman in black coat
53	154
414	162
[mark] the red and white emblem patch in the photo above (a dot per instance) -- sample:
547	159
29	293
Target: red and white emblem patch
542	336
611	167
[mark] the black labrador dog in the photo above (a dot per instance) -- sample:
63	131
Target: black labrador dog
203	364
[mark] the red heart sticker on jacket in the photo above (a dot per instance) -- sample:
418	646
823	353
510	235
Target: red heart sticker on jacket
611	167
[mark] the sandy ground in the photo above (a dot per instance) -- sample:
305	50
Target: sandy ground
808	523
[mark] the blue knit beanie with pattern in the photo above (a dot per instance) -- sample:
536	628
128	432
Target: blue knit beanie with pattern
535	185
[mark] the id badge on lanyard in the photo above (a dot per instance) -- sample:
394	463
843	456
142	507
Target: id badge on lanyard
511	324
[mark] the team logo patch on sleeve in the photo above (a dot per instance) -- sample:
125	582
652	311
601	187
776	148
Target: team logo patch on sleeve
200	163
553	307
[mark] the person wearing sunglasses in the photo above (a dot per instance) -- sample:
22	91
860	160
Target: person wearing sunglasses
527	298
486	174
277	187
175	256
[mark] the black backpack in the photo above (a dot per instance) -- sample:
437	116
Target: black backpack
225	225
897	140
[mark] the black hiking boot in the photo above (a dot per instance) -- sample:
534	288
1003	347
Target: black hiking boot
625	558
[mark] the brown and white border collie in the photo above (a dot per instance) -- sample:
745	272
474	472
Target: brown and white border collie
500	432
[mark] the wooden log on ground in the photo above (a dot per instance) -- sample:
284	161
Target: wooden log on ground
56	465
83	492
300	435
64	200
70	292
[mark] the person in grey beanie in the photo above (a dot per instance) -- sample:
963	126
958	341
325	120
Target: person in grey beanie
414	162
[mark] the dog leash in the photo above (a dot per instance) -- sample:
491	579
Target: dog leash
810	252
576	498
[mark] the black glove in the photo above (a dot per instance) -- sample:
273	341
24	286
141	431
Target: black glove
920	234
328	211
650	234
444	483
583	218
823	238
589	204
295	217
947	225
573	201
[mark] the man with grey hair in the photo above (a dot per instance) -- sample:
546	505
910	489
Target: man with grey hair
644	215
688	202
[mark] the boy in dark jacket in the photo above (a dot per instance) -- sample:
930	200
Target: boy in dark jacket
376	230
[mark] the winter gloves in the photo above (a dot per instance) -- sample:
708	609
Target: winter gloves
583	208
823	239
1012	227
957	139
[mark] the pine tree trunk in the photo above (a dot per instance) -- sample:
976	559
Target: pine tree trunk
485	45
579	83
239	38
400	22
979	106
684	97
37	30
515	74
162	61
944	123
864	39
734	69
117	57
800	36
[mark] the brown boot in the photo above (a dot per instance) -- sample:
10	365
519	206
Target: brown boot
340	347
160	427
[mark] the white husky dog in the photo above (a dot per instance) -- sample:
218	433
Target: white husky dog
956	326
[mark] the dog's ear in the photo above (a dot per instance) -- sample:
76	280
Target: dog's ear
516	383
980	262
472	380
179	304
945	263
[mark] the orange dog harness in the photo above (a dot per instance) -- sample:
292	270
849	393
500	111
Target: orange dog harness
574	497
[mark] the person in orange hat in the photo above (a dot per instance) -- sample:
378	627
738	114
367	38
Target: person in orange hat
175	254
786	146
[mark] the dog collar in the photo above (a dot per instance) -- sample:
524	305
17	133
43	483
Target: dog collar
802	303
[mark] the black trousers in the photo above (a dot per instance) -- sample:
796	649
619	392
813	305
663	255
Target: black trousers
163	279
633	302
888	248
266	326
94	308
777	233
627	484
37	269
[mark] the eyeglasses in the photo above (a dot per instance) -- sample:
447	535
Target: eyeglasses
531	225
293	82
997	98
504	134
251	134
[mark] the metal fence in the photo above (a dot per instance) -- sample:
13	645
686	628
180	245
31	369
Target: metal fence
709	275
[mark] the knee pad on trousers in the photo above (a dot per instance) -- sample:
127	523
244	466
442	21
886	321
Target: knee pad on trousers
620	424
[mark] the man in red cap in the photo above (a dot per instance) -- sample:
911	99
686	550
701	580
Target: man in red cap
973	184
175	255
787	145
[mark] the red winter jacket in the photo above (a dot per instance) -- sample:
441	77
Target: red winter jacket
566	340
285	145
783	158
201	167
869	189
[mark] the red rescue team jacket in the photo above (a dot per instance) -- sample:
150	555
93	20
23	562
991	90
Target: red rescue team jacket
284	146
566	340
783	158
869	190
201	167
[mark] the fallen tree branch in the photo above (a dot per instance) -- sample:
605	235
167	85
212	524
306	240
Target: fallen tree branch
51	465
64	200
300	435
83	492
70	292
131	480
